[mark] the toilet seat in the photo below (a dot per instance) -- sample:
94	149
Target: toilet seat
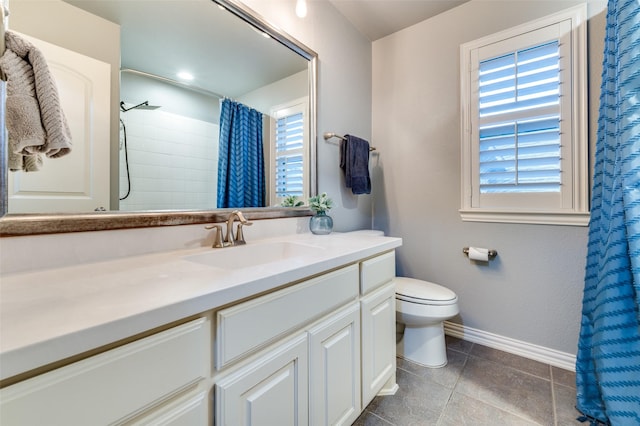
423	292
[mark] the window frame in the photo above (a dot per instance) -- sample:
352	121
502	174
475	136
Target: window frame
277	112
573	201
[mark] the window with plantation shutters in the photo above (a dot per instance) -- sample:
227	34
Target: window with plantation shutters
289	161
519	121
289	153
524	125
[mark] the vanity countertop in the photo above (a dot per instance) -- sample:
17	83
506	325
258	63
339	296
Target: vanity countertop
49	315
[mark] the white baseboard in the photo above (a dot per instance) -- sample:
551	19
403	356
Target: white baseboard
389	391
516	347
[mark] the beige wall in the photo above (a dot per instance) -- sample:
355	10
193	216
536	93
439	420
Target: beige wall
344	93
50	20
533	291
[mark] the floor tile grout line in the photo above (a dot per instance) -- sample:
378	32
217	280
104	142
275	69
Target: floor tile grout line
517	414
381	418
553	398
506	410
564	386
466	359
444	409
464	365
461	351
453	389
407	370
548	379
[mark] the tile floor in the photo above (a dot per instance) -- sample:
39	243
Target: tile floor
479	386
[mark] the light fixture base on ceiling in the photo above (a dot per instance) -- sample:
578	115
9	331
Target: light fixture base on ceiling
301	8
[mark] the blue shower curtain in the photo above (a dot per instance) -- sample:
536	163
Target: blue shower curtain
241	180
608	359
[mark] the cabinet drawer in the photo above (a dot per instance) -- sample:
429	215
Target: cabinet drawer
113	385
377	271
190	410
248	326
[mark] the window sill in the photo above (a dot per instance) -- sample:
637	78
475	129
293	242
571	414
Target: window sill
537	218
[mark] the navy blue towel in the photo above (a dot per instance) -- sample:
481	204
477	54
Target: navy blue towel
354	162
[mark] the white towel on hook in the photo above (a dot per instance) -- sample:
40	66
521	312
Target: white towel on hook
35	121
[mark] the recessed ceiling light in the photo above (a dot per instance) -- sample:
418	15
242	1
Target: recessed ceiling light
183	75
301	8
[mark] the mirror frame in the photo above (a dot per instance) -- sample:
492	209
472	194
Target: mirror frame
32	224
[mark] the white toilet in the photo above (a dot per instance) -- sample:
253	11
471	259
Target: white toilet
422	307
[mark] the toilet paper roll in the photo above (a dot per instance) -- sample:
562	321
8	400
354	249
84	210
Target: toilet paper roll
478	253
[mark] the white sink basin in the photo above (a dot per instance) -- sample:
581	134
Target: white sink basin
249	255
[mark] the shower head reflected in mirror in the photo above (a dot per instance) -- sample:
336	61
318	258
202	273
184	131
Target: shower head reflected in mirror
143	105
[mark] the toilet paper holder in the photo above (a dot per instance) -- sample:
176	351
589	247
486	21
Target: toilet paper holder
492	253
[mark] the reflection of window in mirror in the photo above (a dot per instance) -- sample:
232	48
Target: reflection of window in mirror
290	129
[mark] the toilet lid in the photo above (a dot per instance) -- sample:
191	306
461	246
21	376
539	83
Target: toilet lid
417	290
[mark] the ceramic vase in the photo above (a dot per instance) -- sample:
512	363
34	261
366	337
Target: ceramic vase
321	224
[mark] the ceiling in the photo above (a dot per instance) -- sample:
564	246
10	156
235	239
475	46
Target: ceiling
148	45
225	55
379	18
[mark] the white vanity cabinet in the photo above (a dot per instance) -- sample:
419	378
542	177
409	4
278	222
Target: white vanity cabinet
313	353
118	385
310	352
378	312
312	378
271	386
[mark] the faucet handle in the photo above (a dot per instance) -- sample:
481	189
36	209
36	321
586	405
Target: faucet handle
240	234
240	217
217	242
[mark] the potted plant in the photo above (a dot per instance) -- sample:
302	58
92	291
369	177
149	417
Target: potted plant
292	201
321	223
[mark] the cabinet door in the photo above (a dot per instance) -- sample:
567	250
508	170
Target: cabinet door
334	369
378	312
271	390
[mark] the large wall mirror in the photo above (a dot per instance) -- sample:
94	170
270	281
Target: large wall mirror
144	87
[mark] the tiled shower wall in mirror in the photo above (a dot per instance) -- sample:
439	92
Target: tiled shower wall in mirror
172	161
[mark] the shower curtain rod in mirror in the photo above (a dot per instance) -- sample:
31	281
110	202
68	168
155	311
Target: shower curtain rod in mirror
173	82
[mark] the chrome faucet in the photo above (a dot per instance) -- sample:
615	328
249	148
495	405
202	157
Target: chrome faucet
239	237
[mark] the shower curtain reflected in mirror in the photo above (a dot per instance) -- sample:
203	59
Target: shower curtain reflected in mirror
241	175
